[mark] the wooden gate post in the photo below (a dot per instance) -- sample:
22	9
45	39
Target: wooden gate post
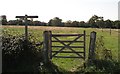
91	56
84	44
46	46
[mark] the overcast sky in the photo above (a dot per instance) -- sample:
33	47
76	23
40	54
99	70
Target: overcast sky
79	10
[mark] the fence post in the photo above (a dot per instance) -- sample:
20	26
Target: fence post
50	44
84	44
92	47
46	46
110	31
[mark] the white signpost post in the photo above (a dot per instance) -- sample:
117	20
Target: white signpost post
0	45
119	10
119	32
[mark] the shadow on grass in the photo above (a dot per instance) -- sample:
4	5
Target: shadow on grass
52	68
33	67
101	66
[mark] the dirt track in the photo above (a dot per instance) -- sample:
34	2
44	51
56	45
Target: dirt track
55	28
43	27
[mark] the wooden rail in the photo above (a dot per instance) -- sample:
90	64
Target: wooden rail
63	35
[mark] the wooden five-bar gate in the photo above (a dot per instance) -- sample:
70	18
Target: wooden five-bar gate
50	38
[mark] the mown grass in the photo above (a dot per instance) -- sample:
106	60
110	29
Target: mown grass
111	42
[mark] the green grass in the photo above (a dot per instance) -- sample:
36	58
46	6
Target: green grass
111	42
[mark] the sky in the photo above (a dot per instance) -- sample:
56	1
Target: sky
79	10
119	11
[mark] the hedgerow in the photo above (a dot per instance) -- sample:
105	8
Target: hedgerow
19	55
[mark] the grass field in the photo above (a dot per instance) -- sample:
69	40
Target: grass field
111	41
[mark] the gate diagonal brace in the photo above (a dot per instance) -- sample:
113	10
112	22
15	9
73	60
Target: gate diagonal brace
67	46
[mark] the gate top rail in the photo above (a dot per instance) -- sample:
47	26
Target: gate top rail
59	35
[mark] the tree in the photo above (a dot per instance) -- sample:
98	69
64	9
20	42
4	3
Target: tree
82	24
50	22
13	22
109	24
68	23
100	22
92	21
4	20
19	22
96	22
117	24
55	22
75	24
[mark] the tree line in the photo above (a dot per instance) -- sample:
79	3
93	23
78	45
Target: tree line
94	22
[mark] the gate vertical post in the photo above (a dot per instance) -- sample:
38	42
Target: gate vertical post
46	45
50	44
84	48
92	47
84	44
